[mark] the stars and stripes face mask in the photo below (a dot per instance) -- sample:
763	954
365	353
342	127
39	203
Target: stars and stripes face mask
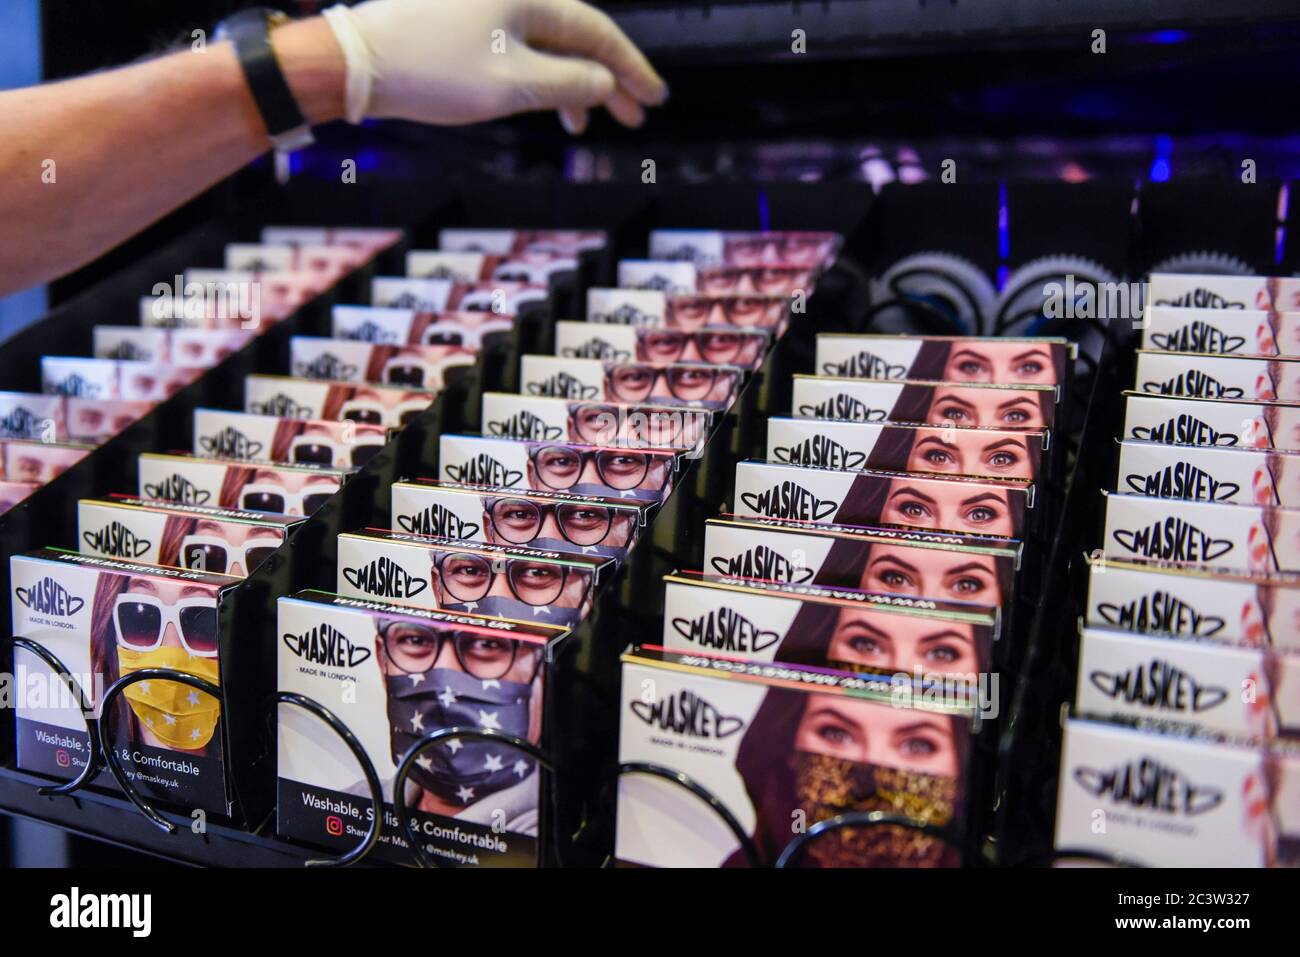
460	771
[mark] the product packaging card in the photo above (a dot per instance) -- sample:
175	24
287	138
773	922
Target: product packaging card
113	378
1225	422
402	292
332	261
439	295
33	415
542	585
659	275
837	444
11	493
948	503
104	619
283	489
778	744
627	307
1216	331
407	672
933	403
873	560
506	242
193	348
509	415
1176	801
255	296
235	310
333	401
845	629
610	471
1204	376
225	541
1208	473
408	327
347	360
710	247
1004	361
368	238
1244	692
1208	292
458	267
97	420
684	278
694	385
38	462
247	437
1192	602
1220	535
660	347
587	524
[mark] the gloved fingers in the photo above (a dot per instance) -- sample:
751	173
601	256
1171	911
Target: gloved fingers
548	82
572	27
574	119
624	108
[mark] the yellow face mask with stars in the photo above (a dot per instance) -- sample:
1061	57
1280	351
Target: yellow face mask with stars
179	716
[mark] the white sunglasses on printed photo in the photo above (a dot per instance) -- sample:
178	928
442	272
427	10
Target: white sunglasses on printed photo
323	450
416	373
142	621
370	412
269	497
211	553
452	333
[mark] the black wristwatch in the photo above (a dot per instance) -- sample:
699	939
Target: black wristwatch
250	31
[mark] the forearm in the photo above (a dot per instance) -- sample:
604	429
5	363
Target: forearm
91	161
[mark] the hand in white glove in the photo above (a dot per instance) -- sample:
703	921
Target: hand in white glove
465	61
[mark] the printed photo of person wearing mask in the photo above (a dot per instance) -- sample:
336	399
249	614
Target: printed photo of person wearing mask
940	450
227	548
95	421
821	755
592	470
858	639
586	528
950	506
282	491
464	677
617	423
1011	362
151	622
36	462
994	408
693	385
693	313
802	250
525	589
752	281
663	347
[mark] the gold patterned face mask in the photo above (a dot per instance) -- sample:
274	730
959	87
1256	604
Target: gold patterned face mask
826	786
177	715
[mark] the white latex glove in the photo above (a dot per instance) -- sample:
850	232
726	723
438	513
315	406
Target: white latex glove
464	61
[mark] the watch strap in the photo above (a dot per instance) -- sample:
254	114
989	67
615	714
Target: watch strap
249	31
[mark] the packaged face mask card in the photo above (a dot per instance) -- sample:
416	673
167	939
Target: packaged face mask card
770	741
407	672
106	618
